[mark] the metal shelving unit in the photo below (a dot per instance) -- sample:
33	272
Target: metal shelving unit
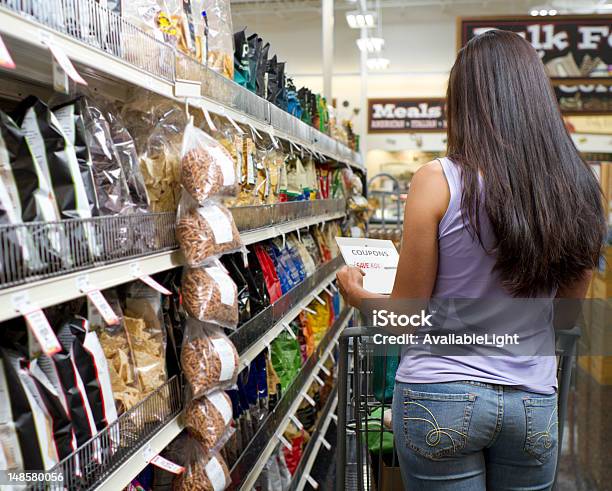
250	464
63	284
117	59
114	66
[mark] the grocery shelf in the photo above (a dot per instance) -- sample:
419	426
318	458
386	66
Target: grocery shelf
129	469
253	336
302	473
250	464
58	286
116	67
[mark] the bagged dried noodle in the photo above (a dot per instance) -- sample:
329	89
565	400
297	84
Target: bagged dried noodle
209	418
208	358
210	295
206	232
203	472
207	169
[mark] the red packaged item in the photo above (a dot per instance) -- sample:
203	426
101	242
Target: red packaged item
293	456
270	277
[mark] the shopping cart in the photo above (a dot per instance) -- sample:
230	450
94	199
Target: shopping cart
366	460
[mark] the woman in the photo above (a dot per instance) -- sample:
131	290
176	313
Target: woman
512	212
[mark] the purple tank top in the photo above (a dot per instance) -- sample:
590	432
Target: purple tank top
465	270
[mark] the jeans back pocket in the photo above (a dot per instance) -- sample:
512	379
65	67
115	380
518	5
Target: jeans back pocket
437	425
542	427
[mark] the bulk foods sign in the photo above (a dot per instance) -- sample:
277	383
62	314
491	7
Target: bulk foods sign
405	115
571	47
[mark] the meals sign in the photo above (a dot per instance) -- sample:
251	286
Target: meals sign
405	115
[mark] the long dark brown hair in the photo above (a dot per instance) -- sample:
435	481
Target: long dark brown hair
542	200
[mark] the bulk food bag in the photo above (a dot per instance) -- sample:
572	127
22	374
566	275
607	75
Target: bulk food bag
207	168
28	441
109	177
210	295
146	332
209	418
220	57
157	126
208	358
117	348
205	232
203	472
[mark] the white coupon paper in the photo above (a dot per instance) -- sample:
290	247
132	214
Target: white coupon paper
377	258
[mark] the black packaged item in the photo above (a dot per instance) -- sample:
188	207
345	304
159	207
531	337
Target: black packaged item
241	58
62	368
72	124
262	67
272	83
281	97
54	402
109	177
56	156
92	366
254	54
235	267
35	192
258	293
30	423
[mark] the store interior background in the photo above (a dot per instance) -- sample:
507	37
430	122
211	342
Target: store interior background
421	45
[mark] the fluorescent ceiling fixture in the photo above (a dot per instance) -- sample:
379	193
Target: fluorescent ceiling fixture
535	12
370	45
359	20
543	12
377	63
552	12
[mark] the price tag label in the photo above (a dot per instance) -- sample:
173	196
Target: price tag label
62	58
208	119
99	301
5	57
157	460
38	324
145	278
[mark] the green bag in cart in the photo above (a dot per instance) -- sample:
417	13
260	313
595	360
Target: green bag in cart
384	374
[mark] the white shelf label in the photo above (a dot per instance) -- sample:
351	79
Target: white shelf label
148	280
152	457
99	301
61	57
6	61
38	323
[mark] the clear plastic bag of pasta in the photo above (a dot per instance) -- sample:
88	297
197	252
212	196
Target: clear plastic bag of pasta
207	168
208	358
210	295
203	471
208	419
205	232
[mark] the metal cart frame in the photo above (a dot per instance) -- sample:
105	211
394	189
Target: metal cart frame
356	400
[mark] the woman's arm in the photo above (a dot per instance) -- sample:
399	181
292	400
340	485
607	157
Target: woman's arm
426	204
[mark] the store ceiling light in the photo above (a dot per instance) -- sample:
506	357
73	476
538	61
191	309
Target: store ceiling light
543	11
370	45
377	63
359	20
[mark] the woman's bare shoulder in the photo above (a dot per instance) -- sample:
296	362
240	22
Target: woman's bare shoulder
429	184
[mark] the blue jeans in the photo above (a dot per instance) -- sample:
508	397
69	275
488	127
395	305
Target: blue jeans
467	436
